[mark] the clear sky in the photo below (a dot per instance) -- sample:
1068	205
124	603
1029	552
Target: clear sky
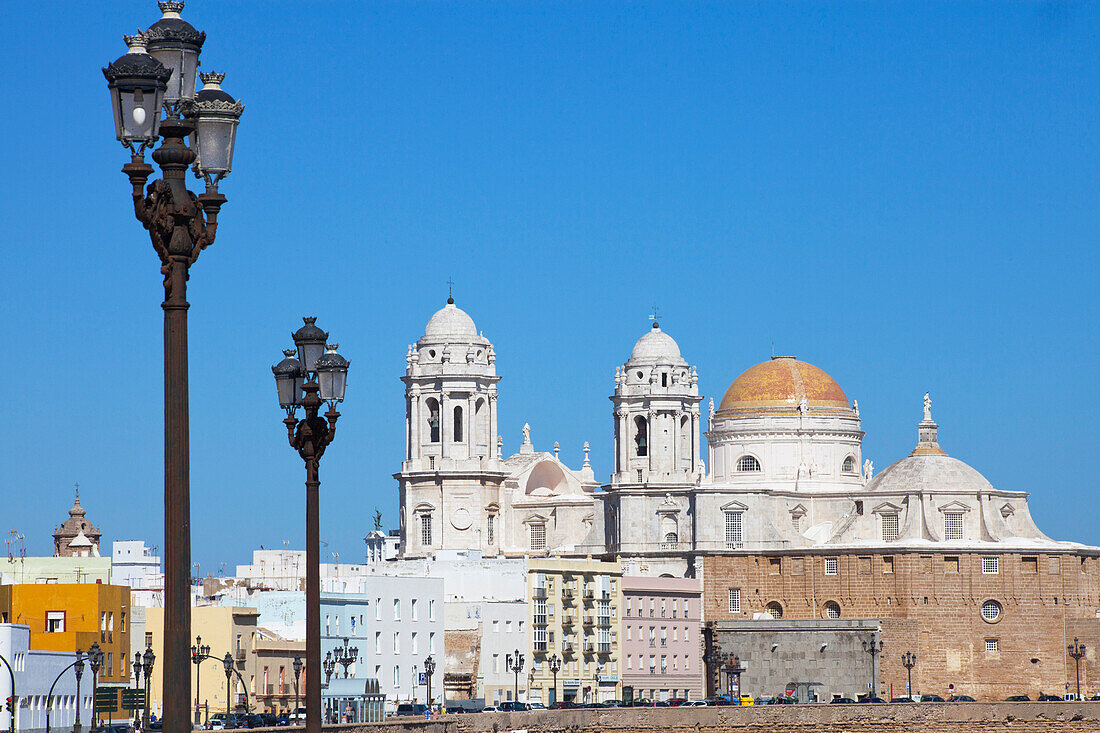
903	194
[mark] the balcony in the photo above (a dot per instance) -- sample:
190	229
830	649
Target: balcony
589	647
242	654
589	594
539	592
568	619
540	620
589	620
567	647
567	594
603	621
604	648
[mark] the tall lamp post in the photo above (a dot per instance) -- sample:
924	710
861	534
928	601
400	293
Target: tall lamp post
297	673
148	657
909	660
330	667
346	656
514	662
199	652
227	665
874	649
95	660
321	374
555	666
1077	651
137	686
429	670
159	71
734	670
78	667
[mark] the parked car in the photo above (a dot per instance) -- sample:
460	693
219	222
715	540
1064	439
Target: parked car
783	700
564	705
676	702
837	700
872	698
490	709
411	708
1049	698
931	698
961	698
901	699
745	700
535	706
512	706
718	701
1017	698
283	720
221	721
299	715
764	700
696	704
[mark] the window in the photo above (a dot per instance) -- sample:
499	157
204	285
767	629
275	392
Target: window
628	634
951	564
849	465
490	526
991	611
733	531
431	642
377	642
426	529
832	609
864	566
663	608
735	600
830	565
538	536
952	525
629	603
990	565
433	420
414	613
664	379
889	527
458	425
55	622
415	647
1030	564
887	565
775	610
747	464
775	566
670	541
653	636
396	676
664	636
397	642
991	645
396	609
641	437
431	610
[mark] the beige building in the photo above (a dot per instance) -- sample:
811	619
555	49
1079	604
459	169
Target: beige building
224	629
271	665
575	608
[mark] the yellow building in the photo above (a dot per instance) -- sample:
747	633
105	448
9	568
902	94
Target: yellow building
223	629
65	617
574	618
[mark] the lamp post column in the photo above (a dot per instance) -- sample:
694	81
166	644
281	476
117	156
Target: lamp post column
79	668
1077	651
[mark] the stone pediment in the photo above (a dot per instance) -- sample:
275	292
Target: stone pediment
734	506
536	519
423	508
799	510
887	507
955	506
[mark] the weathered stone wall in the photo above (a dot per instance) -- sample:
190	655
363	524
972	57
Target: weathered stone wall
930	604
895	718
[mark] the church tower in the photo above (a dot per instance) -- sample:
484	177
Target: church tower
648	505
451	476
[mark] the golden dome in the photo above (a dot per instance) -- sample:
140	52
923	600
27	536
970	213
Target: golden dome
783	382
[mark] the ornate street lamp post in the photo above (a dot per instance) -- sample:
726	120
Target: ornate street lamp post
137	686
95	660
874	649
514	662
909	660
321	374
297	673
346	656
159	72
555	665
330	666
78	667
199	652
429	670
1077	651
227	665
734	670
149	658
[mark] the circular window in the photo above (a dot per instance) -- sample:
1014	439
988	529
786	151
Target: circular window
991	611
640	375
431	353
775	610
832	610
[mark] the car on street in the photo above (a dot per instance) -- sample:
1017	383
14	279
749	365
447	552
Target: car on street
564	705
1017	698
535	706
901	699
745	700
283	720
931	698
695	704
961	698
491	709
1049	698
676	702
872	698
513	706
841	700
406	709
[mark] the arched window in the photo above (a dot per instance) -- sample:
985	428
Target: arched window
849	465
832	609
458	424
641	437
670	540
774	609
746	464
426	529
433	420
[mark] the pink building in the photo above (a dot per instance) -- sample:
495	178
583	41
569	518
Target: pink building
662	652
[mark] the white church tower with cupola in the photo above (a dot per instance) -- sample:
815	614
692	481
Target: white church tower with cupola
451	476
647	504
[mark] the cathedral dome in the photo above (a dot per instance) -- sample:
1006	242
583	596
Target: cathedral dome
929	473
450	322
783	381
656	345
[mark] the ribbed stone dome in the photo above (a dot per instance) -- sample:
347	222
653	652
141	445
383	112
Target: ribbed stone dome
656	345
929	473
450	322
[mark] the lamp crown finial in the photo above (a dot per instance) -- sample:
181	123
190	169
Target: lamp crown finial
331	348
289	352
211	79
170	8
136	43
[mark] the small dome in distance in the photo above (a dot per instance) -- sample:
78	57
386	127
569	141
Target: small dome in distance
450	322
656	345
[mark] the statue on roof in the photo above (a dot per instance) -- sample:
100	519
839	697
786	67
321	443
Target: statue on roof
927	408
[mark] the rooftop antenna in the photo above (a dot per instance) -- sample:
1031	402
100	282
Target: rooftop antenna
450	291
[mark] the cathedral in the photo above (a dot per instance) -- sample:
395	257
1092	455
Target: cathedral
784	520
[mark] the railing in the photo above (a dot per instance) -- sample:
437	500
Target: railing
540	621
568	619
603	621
567	646
567	593
605	648
588	594
241	654
588	620
589	647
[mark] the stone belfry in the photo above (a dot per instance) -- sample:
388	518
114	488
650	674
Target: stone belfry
76	536
450	478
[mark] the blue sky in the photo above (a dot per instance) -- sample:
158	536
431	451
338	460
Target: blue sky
903	194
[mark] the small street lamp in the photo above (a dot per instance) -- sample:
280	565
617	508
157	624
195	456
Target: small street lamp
95	661
149	658
909	660
514	662
157	73
227	663
297	673
321	374
346	656
429	670
199	652
1077	651
734	670
874	650
137	686
330	667
554	662
78	667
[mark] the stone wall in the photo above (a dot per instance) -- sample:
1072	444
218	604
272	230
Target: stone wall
895	718
930	604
